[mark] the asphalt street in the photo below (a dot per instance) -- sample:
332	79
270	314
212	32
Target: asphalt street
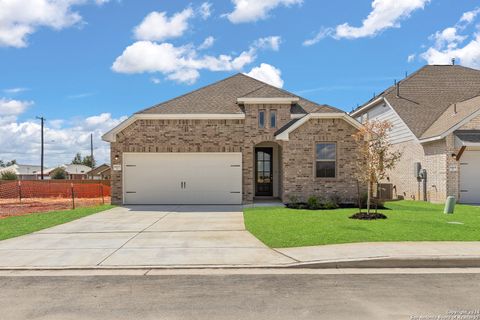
240	296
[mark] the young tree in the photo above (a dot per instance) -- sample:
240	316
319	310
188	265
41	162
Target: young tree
377	154
59	174
77	159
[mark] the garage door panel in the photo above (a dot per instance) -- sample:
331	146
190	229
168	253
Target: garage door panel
470	177
182	178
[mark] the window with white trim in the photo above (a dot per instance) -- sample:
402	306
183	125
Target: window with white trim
326	160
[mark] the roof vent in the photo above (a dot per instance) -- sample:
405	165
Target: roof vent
453	61
397	85
454	109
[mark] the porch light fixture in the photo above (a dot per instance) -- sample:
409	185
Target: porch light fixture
454	155
117	157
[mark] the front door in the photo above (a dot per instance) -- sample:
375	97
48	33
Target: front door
263	172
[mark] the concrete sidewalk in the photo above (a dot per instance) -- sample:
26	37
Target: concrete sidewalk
428	254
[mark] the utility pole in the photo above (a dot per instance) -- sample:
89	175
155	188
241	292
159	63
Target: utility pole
42	120
91	149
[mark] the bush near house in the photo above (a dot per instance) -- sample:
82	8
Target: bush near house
8	175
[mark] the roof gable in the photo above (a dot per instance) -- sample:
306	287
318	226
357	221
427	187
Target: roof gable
426	94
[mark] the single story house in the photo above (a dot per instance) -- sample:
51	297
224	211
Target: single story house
231	142
74	171
435	114
101	172
24	171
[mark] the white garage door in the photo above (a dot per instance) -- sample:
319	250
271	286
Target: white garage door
470	177
182	178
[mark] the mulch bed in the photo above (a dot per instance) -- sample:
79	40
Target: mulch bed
12	207
366	216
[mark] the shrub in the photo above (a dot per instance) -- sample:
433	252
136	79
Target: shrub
313	203
330	203
59	174
8	175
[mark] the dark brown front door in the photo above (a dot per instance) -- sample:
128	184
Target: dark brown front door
263	172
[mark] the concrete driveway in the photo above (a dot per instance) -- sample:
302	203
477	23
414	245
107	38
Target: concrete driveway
144	236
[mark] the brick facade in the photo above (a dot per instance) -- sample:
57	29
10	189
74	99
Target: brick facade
296	157
443	170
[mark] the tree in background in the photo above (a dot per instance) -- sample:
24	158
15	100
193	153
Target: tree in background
376	154
77	159
7	164
59	174
86	161
8	175
89	161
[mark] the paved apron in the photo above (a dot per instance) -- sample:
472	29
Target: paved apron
138	236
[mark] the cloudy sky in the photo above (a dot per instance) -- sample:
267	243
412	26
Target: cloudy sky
87	64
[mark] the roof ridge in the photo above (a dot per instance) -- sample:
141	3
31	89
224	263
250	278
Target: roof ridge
190	92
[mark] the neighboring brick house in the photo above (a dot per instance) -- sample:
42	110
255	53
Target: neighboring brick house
24	171
73	171
436	117
101	172
230	142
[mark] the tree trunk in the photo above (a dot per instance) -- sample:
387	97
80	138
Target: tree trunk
359	199
368	197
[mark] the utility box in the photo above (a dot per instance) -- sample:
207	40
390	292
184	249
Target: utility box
417	166
450	205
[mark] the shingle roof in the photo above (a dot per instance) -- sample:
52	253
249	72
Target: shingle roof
454	114
221	98
426	94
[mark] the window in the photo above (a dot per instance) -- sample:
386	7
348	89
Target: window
273	118
326	160
261	119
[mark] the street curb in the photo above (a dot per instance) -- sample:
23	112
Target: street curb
368	263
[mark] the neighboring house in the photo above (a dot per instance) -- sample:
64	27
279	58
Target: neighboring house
25	171
436	117
74	171
99	173
230	142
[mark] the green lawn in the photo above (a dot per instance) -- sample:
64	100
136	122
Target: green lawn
407	221
20	225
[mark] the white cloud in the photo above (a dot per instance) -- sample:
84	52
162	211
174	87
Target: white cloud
267	73
21	18
10	107
254	10
205	10
14	90
272	42
469	16
155	80
385	14
323	33
411	57
448	44
101	2
63	139
182	63
207	43
156	26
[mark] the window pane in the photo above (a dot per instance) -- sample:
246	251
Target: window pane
326	169
273	118
261	119
326	151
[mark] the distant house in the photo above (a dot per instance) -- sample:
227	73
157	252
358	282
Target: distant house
74	171
24	171
99	173
435	114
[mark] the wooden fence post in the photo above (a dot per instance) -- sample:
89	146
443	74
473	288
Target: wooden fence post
73	196
20	191
101	191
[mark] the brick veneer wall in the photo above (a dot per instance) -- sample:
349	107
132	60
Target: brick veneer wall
299	161
297	156
443	170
